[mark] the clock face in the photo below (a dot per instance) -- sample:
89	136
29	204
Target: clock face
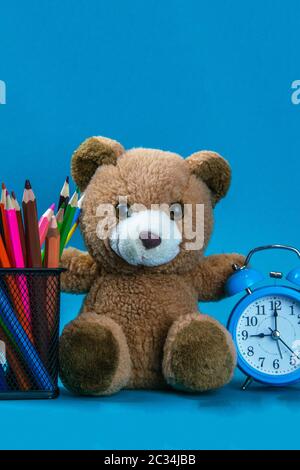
267	335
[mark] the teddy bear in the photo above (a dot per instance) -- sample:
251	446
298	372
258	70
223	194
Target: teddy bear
139	326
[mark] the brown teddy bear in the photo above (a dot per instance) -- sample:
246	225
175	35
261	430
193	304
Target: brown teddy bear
139	326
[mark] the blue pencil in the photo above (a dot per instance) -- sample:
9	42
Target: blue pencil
78	211
3	384
9	319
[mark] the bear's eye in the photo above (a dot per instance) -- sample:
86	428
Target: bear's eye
122	211
176	211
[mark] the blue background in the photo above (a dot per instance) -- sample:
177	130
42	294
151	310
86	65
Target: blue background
177	75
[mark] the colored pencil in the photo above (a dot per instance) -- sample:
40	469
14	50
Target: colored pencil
23	308
32	237
18	288
14	361
3	384
6	239
44	223
64	194
71	208
3	194
78	210
20	223
1	227
29	302
36	285
15	289
13	228
60	217
52	245
9	321
75	221
71	233
59	220
4	261
68	218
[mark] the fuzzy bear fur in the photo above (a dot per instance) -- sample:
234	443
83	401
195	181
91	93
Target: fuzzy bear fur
139	327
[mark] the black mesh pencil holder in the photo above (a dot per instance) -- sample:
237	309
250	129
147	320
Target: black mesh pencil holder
29	332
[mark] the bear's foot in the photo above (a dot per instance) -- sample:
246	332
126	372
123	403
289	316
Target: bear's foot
199	354
94	356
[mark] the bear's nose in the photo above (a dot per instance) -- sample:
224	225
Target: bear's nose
150	240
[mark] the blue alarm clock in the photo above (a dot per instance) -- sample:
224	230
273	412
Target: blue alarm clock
265	323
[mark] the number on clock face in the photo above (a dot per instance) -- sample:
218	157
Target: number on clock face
268	335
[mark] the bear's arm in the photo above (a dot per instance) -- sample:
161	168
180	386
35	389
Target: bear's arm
81	271
211	274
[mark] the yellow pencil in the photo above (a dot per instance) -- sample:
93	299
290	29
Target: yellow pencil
71	233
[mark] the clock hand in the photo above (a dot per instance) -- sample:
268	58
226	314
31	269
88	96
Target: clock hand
275	317
278	338
279	350
290	349
276	329
260	335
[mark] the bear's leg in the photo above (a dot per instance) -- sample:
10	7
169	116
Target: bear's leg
94	356
199	354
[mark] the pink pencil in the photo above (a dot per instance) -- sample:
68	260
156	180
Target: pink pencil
13	227
44	223
17	257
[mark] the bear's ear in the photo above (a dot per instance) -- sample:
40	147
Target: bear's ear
91	154
213	170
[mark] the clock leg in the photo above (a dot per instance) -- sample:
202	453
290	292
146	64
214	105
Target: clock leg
247	383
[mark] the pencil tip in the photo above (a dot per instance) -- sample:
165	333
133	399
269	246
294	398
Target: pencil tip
9	205
3	186
52	207
53	223
27	184
13	195
67	179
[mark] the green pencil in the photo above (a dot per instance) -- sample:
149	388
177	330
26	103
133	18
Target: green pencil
67	222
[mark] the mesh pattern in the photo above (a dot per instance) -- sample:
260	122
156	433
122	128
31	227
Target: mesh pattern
29	331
